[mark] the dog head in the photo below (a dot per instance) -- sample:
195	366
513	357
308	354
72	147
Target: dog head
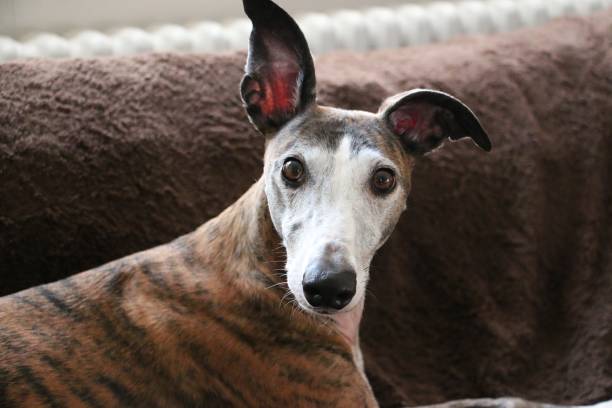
336	180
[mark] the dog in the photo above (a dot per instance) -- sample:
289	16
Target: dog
261	305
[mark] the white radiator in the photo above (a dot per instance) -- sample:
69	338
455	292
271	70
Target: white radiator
374	28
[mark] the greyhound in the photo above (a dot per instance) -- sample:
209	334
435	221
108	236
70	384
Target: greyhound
335	181
261	305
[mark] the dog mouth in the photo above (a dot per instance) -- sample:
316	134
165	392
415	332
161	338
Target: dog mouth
323	311
320	310
345	321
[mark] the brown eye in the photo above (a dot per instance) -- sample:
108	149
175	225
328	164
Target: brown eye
293	171
383	181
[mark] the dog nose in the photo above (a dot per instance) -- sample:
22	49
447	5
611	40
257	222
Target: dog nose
326	288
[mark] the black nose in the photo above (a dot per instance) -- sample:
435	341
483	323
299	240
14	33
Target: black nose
326	288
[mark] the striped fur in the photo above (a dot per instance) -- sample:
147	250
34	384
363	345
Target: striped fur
201	321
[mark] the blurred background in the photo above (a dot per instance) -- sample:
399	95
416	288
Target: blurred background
82	28
19	17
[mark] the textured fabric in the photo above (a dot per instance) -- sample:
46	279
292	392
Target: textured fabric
498	278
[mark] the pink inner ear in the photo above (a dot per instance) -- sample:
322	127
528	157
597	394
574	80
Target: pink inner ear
404	120
279	88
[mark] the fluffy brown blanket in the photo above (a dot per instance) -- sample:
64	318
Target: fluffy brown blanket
498	279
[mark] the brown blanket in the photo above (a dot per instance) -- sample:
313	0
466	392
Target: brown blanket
498	279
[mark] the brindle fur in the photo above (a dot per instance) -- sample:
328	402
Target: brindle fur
200	321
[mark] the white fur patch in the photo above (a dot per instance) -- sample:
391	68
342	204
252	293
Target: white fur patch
336	206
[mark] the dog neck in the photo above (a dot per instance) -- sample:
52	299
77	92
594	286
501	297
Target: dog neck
242	241
245	249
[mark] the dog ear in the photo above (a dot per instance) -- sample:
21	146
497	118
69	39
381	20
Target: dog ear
279	79
424	118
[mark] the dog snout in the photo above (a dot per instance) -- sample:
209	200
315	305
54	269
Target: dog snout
329	286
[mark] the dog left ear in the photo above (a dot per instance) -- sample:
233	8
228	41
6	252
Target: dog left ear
424	118
279	79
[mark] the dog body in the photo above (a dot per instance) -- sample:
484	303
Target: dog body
197	322
261	305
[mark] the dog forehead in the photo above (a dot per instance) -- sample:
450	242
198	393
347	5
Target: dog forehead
347	161
325	128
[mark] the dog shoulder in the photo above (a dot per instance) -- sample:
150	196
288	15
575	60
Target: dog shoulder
60	341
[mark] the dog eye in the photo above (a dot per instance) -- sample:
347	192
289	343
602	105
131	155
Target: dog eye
383	181
293	171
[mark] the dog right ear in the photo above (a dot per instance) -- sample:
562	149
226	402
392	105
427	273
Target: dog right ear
279	80
423	118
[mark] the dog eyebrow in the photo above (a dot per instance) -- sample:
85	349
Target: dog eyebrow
361	141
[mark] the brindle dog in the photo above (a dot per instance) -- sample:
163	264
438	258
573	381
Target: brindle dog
261	305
